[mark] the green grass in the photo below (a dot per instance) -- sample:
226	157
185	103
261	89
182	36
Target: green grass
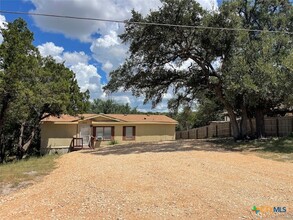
113	142
27	169
278	145
280	149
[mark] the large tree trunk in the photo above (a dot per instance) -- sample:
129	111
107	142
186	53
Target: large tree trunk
235	127
4	107
22	148
2	149
234	124
251	128
20	140
231	113
260	123
2	154
28	143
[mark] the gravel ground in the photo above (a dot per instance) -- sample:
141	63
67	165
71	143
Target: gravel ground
169	180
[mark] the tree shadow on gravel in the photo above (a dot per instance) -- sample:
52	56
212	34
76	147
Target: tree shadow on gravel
166	146
283	145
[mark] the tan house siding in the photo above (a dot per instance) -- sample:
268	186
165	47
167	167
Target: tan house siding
56	136
145	133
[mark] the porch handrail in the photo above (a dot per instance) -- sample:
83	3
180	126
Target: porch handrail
74	142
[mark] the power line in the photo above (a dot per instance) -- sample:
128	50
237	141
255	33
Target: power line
142	23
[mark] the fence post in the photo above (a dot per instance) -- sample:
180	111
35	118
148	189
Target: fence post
196	134
216	130
292	125
277	127
187	134
230	128
207	131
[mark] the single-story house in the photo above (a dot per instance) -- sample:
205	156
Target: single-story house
63	133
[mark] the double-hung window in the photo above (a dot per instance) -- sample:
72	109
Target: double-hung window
128	133
104	133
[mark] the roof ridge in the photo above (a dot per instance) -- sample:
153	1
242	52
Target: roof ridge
134	118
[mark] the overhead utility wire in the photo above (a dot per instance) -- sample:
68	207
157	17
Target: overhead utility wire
142	23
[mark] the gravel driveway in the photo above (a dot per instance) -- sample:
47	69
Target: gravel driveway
175	180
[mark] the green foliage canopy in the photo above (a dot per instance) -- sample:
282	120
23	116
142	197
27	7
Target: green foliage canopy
110	106
31	89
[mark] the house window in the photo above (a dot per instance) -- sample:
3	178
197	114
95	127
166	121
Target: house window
105	133
128	133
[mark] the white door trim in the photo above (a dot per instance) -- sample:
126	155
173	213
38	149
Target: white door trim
85	133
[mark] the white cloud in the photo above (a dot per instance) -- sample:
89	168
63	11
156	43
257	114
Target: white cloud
88	78
106	48
2	25
208	4
109	51
162	107
122	99
2	21
108	40
83	30
137	102
186	64
111	56
50	49
75	57
57	52
217	63
168	96
106	9
180	66
107	66
87	75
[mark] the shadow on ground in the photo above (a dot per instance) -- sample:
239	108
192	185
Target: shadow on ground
274	145
167	146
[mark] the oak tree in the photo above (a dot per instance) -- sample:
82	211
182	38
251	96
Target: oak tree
240	68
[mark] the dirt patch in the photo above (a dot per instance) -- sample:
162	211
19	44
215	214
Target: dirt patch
6	189
187	179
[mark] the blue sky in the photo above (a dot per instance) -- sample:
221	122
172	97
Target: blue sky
90	49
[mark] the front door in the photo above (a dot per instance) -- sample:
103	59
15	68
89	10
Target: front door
85	133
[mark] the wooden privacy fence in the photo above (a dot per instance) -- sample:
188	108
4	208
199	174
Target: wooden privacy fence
276	126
